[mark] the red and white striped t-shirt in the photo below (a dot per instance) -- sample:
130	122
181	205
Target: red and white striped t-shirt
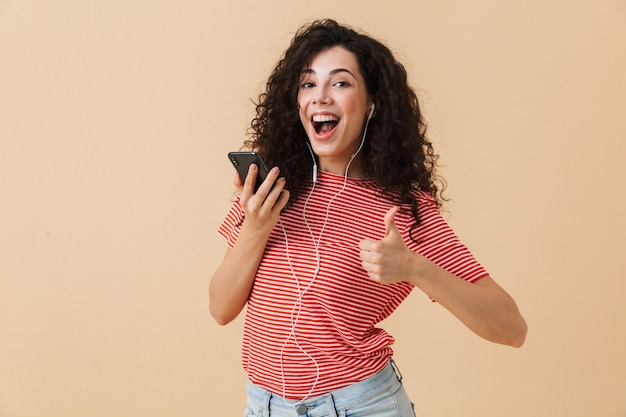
305	337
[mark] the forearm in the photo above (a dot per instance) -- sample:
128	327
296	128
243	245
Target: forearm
484	307
232	281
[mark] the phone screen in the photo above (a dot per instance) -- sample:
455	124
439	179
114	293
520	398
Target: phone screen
242	161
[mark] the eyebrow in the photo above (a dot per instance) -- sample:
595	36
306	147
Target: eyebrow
333	72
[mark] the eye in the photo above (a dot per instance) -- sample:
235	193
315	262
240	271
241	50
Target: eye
342	84
307	84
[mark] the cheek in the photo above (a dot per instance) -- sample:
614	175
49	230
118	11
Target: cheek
357	106
302	115
354	112
302	109
302	101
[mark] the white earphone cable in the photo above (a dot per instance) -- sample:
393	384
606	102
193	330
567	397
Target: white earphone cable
297	308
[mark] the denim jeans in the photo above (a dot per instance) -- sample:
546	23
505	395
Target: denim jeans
381	395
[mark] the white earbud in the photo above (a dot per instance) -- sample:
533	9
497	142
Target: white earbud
371	111
314	162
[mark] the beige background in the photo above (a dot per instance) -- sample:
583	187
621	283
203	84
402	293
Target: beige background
115	119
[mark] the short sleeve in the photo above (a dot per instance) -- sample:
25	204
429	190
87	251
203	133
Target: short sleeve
231	226
435	239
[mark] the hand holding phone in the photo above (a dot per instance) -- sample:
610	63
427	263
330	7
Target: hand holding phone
242	161
277	197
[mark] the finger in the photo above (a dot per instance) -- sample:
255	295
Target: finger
371	270
374	258
367	244
390	221
278	196
248	185
367	266
282	200
271	190
238	182
268	183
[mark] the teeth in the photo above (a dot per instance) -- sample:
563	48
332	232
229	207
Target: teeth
321	118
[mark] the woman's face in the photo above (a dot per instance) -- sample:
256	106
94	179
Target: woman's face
333	106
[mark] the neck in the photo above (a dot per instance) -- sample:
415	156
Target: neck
354	170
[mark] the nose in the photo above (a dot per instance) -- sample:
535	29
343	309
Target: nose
322	97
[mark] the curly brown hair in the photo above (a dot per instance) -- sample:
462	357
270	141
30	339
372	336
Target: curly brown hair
396	154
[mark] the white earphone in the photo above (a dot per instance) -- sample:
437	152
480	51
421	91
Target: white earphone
316	240
371	111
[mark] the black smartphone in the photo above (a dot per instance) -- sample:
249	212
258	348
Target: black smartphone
242	161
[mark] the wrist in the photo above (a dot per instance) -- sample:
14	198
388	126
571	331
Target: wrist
421	268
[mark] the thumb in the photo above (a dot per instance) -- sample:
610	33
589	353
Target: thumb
390	222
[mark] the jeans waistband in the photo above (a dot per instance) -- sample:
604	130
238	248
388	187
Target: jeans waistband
388	379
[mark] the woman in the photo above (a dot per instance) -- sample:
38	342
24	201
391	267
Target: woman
345	225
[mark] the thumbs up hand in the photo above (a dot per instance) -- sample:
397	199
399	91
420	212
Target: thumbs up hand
387	260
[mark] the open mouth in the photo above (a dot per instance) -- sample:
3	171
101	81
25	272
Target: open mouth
324	123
